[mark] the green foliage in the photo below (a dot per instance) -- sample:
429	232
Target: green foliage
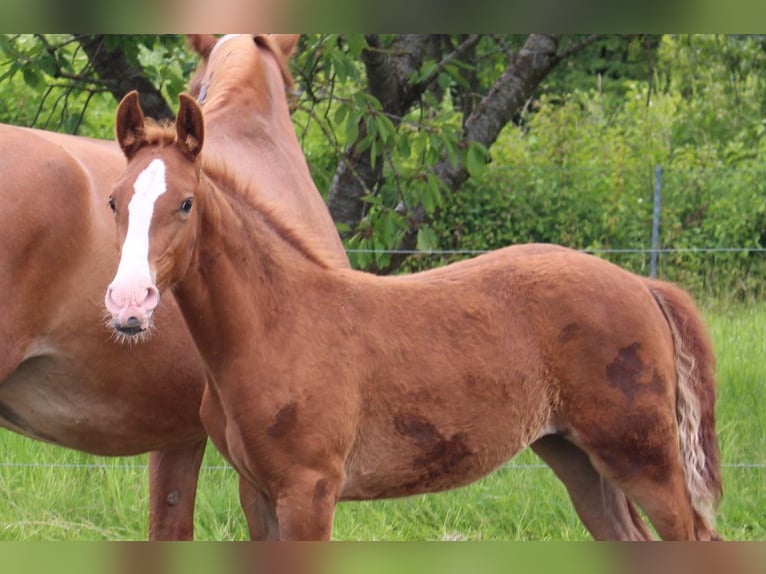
336	107
581	173
609	67
166	61
576	169
48	81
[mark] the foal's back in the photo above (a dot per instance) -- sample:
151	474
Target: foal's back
442	376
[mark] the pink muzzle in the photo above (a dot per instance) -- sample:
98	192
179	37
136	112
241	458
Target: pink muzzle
131	306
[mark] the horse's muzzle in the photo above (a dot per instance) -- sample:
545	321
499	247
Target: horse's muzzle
131	327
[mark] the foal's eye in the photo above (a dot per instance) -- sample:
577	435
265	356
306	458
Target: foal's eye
111	205
186	205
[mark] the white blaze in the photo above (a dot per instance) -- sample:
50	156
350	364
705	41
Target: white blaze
134	262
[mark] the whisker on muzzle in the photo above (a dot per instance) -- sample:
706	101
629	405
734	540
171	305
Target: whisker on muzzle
122	338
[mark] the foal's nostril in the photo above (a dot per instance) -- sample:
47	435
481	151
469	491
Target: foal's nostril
152	298
111	304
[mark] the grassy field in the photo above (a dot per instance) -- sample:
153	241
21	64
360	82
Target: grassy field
47	493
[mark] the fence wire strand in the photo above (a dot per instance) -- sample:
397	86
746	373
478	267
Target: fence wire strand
641	250
209	468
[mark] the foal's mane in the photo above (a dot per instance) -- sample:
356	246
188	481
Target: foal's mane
222	174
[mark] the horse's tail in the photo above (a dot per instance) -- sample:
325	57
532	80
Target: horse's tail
695	398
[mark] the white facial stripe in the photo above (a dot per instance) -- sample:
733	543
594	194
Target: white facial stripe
149	186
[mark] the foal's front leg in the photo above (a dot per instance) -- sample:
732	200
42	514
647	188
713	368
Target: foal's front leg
306	505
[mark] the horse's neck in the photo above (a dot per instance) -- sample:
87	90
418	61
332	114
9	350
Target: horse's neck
260	143
255	134
247	119
242	274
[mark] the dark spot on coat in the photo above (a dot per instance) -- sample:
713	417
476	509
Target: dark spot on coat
625	370
639	447
569	332
444	458
284	421
440	456
417	428
174	497
658	383
321	490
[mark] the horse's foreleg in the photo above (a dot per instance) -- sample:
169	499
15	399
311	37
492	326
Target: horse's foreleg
173	478
305	508
259	512
603	508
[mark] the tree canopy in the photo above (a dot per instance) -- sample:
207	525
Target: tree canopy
469	142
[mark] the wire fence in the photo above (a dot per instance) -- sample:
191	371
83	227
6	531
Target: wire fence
661	181
701	227
217	468
636	250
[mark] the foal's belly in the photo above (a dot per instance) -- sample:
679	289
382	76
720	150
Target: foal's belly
450	464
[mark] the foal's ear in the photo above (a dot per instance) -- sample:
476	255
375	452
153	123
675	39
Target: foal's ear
202	43
129	125
190	127
286	43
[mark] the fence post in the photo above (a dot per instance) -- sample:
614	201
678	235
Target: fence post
656	221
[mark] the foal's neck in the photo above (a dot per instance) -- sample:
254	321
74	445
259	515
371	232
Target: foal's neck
242	275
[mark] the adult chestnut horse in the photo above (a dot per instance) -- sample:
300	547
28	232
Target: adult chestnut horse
335	384
71	384
76	387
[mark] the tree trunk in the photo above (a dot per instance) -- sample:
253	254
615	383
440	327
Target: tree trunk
387	74
526	69
121	77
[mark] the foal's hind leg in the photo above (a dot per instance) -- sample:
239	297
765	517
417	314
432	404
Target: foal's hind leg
173	478
645	463
604	509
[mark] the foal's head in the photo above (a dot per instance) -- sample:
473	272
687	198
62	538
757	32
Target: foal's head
236	61
153	205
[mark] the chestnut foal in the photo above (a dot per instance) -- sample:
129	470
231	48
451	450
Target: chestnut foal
334	384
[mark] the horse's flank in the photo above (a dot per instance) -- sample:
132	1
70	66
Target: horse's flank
74	386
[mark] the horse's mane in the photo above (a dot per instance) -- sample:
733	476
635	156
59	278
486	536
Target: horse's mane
271	212
269	43
261	40
218	171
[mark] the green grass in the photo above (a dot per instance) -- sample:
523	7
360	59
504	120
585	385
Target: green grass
48	493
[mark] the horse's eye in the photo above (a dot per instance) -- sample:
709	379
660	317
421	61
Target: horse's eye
186	205
111	205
